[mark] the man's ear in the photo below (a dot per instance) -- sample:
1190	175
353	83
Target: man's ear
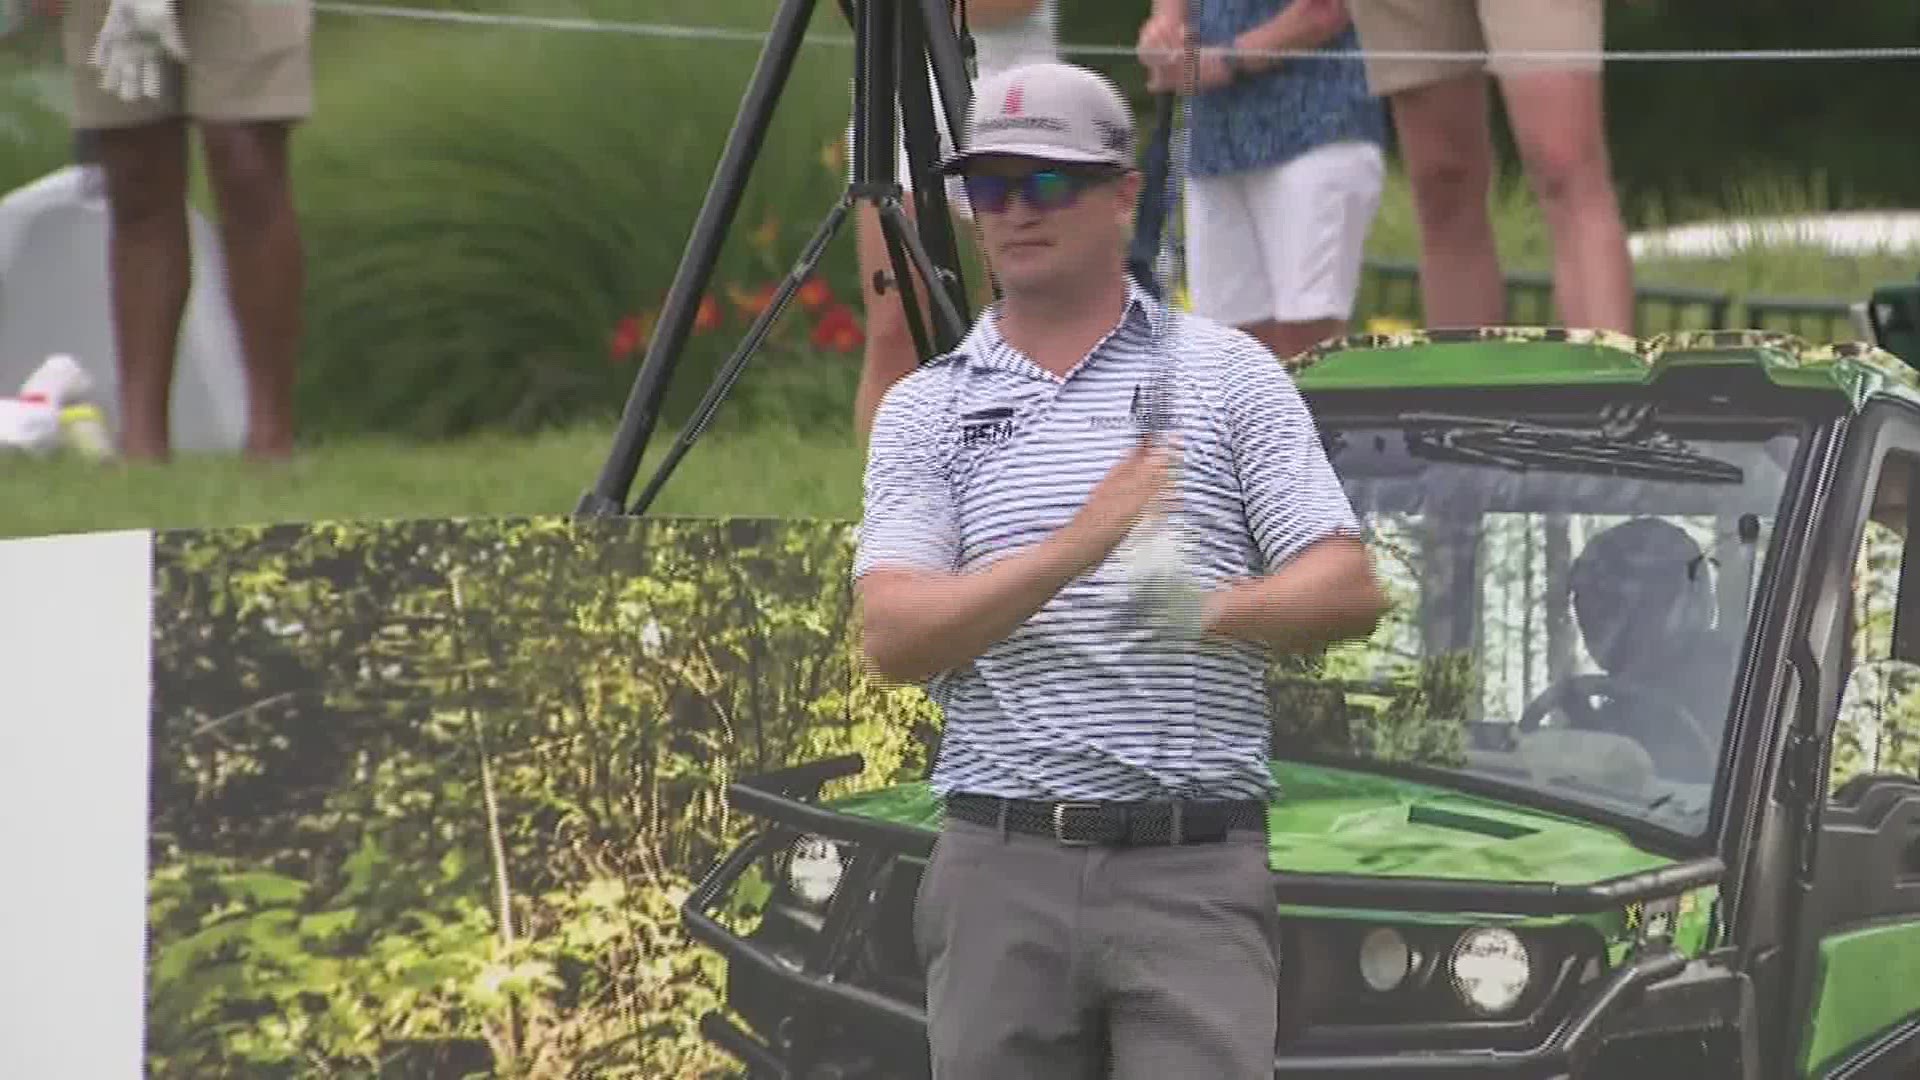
1127	192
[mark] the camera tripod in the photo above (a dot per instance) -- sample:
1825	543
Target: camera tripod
896	43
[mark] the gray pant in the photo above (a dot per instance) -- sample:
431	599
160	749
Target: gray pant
1061	962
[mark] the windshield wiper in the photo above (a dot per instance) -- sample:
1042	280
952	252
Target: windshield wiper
1516	444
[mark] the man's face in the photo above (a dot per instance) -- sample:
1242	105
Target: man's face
1040	220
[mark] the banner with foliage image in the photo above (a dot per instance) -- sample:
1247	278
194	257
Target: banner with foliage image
426	795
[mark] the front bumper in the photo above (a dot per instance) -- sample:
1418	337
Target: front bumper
1554	1057
1659	991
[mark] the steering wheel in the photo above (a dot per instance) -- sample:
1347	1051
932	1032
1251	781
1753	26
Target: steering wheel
1571	696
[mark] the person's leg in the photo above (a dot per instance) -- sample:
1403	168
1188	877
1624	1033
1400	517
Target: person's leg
260	236
1317	211
1439	111
149	268
142	153
1191	971
1559	125
999	932
253	84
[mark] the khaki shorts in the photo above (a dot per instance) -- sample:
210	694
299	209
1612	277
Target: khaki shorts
247	60
1473	26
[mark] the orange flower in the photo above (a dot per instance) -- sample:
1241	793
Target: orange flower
751	304
839	330
815	294
708	316
630	335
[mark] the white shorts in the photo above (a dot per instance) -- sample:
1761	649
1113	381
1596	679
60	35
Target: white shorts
1285	242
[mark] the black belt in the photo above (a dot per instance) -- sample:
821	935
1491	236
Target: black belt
1114	824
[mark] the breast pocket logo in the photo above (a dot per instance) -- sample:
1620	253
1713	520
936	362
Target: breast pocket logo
984	427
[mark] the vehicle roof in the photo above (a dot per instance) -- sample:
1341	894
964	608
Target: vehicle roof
1539	356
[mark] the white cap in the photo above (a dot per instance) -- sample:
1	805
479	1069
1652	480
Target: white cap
1051	111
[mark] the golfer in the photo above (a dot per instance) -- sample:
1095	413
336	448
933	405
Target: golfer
1037	503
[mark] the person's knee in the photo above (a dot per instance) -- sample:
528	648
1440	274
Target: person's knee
247	167
1449	185
1562	169
1445	143
146	172
1558	129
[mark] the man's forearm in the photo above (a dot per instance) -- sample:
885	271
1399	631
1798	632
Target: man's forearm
915	624
1328	593
1307	24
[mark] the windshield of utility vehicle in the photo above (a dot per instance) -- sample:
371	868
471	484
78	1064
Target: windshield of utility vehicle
1569	605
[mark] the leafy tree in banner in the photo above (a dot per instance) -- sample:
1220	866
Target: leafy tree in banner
427	795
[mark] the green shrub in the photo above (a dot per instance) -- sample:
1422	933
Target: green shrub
33	124
484	206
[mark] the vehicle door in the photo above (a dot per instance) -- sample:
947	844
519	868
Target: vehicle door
1855	972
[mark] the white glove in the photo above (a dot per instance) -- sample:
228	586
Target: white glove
1156	561
136	42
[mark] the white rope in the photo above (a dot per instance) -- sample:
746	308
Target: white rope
719	33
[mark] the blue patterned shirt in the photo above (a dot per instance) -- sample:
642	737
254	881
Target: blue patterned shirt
1271	118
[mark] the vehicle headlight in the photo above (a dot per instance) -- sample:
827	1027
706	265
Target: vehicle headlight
1385	959
1490	969
813	870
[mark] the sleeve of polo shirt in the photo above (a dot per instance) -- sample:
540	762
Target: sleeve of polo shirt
907	512
1293	498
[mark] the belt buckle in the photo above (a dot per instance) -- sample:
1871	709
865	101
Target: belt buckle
1060	822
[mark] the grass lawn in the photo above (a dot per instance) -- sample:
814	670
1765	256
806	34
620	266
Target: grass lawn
769	473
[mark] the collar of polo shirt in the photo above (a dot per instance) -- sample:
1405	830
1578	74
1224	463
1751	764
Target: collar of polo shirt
982	346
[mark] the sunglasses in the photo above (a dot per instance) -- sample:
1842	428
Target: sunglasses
1048	189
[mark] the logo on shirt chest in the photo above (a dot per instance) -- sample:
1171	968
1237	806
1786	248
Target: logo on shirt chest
1137	417
983	427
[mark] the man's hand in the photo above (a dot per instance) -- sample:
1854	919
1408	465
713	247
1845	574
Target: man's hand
916	623
1162	47
1208	72
1120	501
1157	559
135	44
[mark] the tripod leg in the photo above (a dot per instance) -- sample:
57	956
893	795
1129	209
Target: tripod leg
730	372
717	212
949	64
924	343
935	217
900	231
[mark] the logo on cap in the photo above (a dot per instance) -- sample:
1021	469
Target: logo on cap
1011	106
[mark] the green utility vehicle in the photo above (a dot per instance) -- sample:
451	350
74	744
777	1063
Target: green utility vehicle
1628	781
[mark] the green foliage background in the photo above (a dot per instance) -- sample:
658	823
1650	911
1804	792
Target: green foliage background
426	796
483	205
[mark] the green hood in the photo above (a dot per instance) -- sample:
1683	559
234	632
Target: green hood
1339	821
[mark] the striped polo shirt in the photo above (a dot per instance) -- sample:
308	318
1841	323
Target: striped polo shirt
982	452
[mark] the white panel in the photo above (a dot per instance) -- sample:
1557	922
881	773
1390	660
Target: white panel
75	621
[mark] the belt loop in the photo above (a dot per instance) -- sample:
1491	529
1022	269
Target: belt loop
1178	835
